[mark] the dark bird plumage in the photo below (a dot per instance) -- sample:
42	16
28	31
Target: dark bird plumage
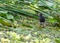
42	18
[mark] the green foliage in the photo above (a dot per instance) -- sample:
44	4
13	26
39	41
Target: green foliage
57	40
5	21
19	21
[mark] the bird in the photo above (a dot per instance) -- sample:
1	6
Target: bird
41	19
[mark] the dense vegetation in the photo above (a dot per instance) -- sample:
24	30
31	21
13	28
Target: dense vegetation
19	21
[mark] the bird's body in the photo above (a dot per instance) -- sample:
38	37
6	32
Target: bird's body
42	20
